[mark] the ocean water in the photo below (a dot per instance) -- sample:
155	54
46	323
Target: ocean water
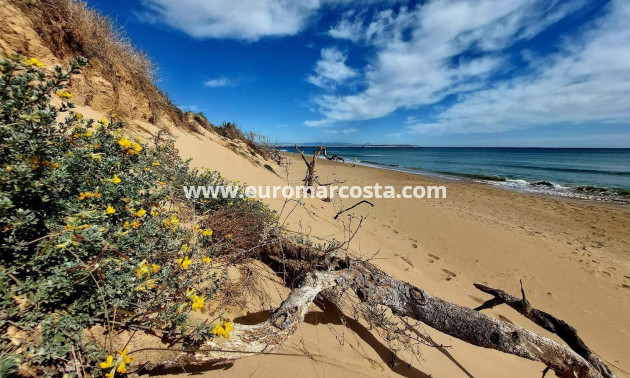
596	174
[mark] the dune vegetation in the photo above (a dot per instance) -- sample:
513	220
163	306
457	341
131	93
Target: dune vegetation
96	230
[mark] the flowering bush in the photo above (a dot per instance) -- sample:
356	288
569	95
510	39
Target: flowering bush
92	223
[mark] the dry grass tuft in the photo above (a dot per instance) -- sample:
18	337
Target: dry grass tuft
70	28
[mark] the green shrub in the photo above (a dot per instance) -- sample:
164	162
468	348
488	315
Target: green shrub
91	223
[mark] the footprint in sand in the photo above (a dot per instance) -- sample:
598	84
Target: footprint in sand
407	260
434	256
449	275
414	245
504	319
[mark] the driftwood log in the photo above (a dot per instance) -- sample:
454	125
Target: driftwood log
313	273
566	332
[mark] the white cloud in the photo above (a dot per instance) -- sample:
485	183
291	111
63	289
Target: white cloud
219	82
349	130
331	69
239	19
422	54
587	82
350	27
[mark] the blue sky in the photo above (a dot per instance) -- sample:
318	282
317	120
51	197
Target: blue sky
435	73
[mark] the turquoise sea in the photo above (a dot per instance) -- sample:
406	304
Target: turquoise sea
588	173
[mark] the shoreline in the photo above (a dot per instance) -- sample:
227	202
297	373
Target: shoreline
453	177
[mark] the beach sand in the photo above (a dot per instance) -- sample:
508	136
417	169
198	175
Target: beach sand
573	257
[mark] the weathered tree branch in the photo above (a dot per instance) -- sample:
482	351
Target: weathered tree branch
549	322
374	287
352	207
310	177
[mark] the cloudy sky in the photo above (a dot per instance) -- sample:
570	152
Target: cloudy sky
434	73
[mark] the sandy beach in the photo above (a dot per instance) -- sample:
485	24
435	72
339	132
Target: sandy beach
437	73
572	255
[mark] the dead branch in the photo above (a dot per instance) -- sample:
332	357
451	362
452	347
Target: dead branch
549	322
310	177
352	207
373	286
313	272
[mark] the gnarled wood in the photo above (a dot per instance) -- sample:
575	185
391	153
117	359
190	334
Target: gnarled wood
375	287
547	321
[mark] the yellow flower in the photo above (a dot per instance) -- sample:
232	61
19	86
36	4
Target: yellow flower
135	224
230	203
126	225
229	236
154	213
185	247
197	302
116	179
137	148
143	269
140	213
155	163
63	94
218	330
109	362
207	232
184	263
223	329
63	245
84	195
104	122
206	260
79	115
96	157
110	210
126	358
33	62
228	327
88	133
124	143
109	375
173	221
122	368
